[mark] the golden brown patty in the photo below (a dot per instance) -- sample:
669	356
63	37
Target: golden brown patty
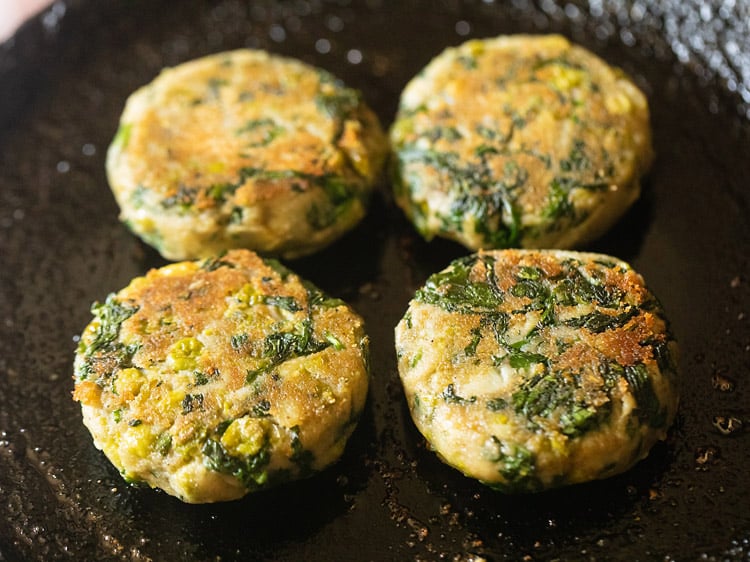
519	141
533	369
216	378
244	149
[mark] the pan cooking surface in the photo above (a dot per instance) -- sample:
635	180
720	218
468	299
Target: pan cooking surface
63	81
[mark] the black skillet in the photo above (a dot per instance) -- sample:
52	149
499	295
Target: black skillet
63	80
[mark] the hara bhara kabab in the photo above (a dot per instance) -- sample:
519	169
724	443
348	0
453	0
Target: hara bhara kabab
519	141
533	369
211	379
244	149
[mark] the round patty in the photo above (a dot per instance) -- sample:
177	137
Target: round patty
533	369
244	150
520	141
216	378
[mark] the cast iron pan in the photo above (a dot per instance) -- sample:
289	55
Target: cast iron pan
63	81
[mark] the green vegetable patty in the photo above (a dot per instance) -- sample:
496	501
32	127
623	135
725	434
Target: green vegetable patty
519	141
211	379
533	369
244	149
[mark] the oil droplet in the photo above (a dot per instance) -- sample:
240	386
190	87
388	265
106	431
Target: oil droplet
323	46
463	27
277	33
334	23
354	56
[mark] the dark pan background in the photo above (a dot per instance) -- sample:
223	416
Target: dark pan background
63	81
